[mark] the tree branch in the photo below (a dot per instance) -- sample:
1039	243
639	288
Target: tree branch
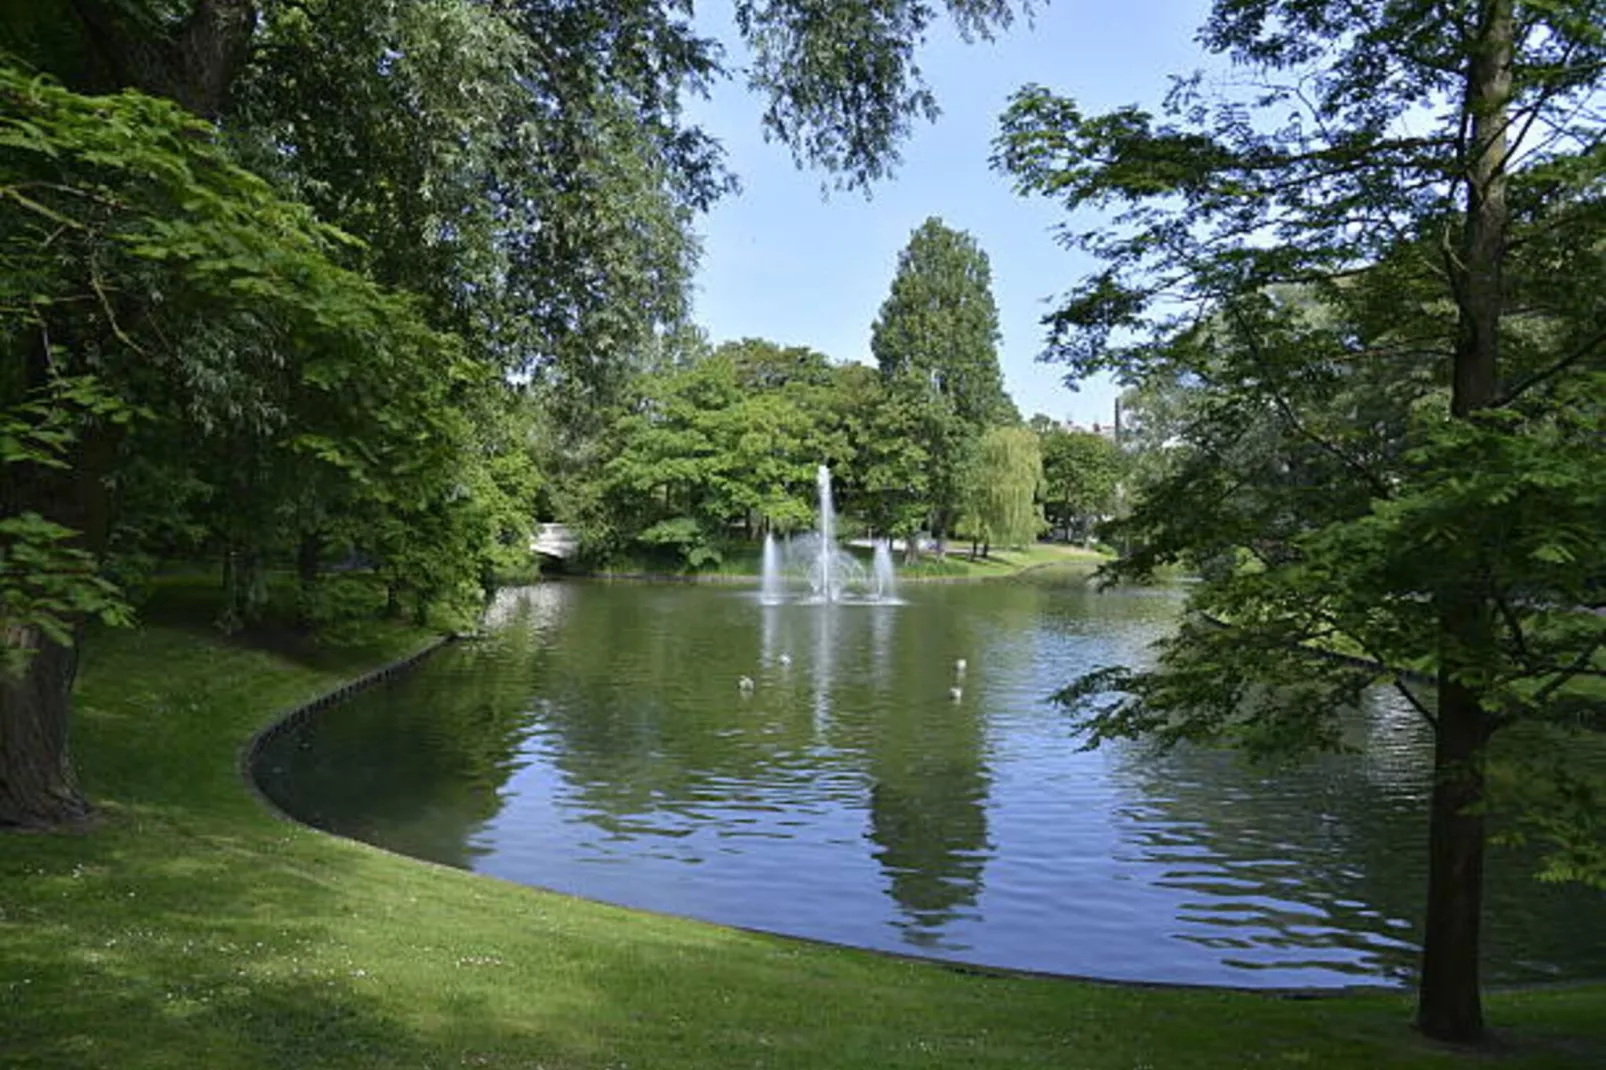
1372	480
1578	667
1557	368
1416	703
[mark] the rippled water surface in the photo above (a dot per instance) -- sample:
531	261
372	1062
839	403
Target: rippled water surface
599	743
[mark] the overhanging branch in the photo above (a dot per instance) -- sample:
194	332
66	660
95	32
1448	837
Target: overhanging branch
1578	354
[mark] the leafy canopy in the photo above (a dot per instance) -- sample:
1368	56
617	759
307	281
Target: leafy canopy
1308	264
935	340
154	292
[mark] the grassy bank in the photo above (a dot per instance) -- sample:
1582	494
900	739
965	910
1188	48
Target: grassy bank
744	563
193	928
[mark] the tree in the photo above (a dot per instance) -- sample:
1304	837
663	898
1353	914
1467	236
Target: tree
885	479
764	365
1001	488
1080	472
1371	276
152	290
936	342
526	165
703	452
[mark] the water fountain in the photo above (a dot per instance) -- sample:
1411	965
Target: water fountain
882	582
770	591
832	573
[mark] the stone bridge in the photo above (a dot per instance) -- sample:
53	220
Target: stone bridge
554	540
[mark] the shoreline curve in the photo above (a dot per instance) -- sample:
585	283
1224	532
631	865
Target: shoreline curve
296	715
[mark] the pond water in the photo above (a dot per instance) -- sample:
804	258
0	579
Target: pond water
598	743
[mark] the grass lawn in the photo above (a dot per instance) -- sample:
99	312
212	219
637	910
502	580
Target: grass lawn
1001	563
192	928
744	563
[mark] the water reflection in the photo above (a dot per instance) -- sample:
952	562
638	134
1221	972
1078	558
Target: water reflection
425	786
824	619
598	743
928	819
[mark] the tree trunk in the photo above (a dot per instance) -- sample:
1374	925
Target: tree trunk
244	590
308	553
37	786
1449	1003
194	63
1476	271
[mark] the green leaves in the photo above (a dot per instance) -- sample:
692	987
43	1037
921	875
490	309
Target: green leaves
48	581
1367	379
1001	487
48	586
1080	472
936	342
732	439
186	308
840	79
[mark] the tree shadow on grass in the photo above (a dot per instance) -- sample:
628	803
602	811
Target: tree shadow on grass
130	949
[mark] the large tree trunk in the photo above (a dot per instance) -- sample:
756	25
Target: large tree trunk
37	787
194	64
1449	1004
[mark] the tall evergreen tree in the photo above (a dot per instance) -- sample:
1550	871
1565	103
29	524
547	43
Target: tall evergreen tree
936	341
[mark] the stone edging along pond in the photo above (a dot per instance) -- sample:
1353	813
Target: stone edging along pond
296	715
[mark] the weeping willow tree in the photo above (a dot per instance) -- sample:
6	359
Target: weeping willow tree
1002	487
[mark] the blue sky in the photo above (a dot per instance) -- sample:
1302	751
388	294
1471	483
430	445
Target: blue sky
783	262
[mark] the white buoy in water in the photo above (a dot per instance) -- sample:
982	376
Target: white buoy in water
959	667
745	683
956	693
786	661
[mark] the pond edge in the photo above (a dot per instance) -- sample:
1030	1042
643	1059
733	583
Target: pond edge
297	715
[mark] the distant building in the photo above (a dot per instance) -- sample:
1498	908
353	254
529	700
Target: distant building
1109	431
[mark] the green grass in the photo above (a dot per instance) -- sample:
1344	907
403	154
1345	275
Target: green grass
743	562
1000	563
192	928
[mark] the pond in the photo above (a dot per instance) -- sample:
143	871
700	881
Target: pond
600	742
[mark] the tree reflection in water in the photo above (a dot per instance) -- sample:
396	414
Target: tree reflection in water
598	743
